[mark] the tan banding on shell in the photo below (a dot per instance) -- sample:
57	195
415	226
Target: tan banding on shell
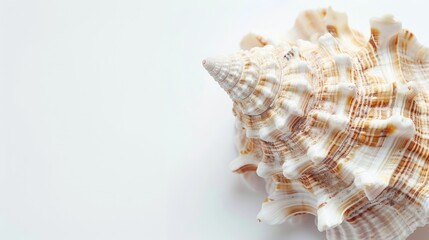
335	124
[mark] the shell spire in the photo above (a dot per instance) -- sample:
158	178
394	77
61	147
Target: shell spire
240	74
336	125
255	90
225	70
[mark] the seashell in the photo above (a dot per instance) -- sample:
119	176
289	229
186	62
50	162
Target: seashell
336	125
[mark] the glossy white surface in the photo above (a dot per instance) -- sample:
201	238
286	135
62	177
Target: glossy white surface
110	128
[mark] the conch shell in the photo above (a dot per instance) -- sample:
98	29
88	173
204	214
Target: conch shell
336	125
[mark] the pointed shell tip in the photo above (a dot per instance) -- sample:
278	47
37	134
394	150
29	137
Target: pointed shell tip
208	64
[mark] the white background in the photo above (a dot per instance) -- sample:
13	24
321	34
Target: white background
110	128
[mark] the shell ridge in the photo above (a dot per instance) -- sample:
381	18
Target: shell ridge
336	125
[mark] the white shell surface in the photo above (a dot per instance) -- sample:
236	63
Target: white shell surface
336	125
